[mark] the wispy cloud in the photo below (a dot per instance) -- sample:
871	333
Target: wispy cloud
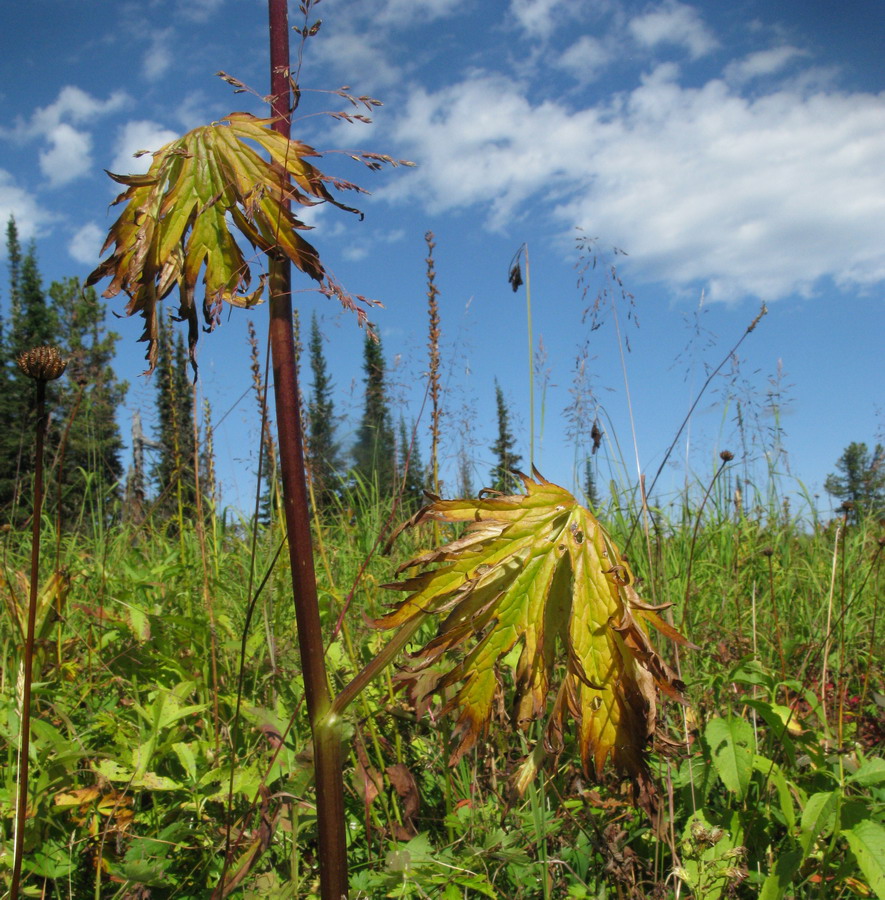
762	63
158	57
675	24
85	245
755	196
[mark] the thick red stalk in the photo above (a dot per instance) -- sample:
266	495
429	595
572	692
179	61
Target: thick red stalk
326	735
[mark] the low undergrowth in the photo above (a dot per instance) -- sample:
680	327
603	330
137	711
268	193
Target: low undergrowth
774	786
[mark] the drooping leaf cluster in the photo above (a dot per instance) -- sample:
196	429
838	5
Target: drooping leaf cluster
539	573
175	224
83	440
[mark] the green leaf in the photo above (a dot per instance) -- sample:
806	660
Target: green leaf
538	573
818	818
775	775
872	771
731	743
867	842
781	876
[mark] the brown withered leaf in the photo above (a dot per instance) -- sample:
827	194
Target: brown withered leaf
539	572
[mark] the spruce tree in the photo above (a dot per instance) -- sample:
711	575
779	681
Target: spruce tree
590	492
374	453
173	472
90	396
507	462
323	452
862	479
32	323
410	470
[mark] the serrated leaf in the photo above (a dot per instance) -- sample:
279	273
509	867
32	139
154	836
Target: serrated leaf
537	572
177	218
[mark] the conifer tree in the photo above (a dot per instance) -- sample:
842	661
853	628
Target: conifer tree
590	491
410	471
173	472
465	473
861	481
374	453
323	452
507	462
32	323
91	444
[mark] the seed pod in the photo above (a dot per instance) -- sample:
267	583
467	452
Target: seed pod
42	363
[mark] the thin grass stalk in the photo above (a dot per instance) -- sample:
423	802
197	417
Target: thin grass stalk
749	330
433	376
726	457
828	633
204	565
528	313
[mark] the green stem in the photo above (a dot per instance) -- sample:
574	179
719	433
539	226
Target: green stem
528	308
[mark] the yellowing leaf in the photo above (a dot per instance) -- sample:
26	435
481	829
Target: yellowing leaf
177	218
537	572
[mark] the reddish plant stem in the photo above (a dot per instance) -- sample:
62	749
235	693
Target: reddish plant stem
326	735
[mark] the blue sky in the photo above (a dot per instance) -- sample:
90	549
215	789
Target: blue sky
735	152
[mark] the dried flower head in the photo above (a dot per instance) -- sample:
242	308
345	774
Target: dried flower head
726	456
42	363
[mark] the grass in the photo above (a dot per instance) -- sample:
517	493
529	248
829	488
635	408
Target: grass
132	748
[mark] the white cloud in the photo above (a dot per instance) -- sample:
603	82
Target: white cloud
85	245
676	24
68	156
67	151
584	59
72	105
704	187
761	63
135	136
17	202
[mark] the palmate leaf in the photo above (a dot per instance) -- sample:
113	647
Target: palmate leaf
539	572
178	217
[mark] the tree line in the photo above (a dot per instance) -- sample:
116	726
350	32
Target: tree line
168	469
85	446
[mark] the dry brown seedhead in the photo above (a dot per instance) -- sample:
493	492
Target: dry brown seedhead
42	363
